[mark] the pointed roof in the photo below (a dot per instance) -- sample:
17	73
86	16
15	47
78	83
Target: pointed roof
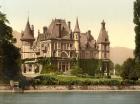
27	33
103	24
77	29
103	35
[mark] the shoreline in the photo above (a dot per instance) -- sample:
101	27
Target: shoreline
63	91
74	88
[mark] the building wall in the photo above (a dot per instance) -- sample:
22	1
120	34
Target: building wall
88	54
64	50
27	51
104	51
56	48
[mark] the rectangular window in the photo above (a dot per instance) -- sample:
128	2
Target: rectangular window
105	55
64	46
55	46
70	46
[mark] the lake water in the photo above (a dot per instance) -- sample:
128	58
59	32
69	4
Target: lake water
71	98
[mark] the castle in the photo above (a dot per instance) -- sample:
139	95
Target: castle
60	42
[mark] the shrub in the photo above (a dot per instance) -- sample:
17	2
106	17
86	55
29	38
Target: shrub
46	80
67	80
76	70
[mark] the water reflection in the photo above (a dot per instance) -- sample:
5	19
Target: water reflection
71	98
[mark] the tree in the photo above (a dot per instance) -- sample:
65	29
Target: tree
89	66
128	70
118	69
9	54
11	59
137	68
136	21
111	67
5	30
48	67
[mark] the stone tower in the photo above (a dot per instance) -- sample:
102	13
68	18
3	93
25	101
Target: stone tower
76	36
27	40
29	67
104	48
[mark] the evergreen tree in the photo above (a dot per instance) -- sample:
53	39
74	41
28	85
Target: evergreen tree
9	54
137	37
118	69
137	29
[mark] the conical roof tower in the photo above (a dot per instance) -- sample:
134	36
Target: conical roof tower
28	33
77	29
103	35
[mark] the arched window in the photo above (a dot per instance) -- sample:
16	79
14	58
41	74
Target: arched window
30	67
24	68
64	55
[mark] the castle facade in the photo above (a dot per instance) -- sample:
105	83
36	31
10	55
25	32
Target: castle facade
59	42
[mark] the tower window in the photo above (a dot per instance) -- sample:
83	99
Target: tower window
76	36
106	39
105	52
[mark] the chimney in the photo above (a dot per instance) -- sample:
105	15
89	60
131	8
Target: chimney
69	24
38	31
89	32
59	29
44	29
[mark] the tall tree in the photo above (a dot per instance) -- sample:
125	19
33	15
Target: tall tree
136	21
5	30
9	54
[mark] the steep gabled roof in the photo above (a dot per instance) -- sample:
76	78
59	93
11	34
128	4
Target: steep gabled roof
27	33
87	41
53	29
103	35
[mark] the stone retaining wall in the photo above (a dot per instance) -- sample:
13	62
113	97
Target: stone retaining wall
73	87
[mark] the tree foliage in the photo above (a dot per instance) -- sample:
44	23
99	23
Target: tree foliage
128	70
48	67
111	67
76	70
5	30
136	21
89	66
118	69
9	54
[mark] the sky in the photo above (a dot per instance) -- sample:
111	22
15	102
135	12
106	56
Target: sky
118	15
